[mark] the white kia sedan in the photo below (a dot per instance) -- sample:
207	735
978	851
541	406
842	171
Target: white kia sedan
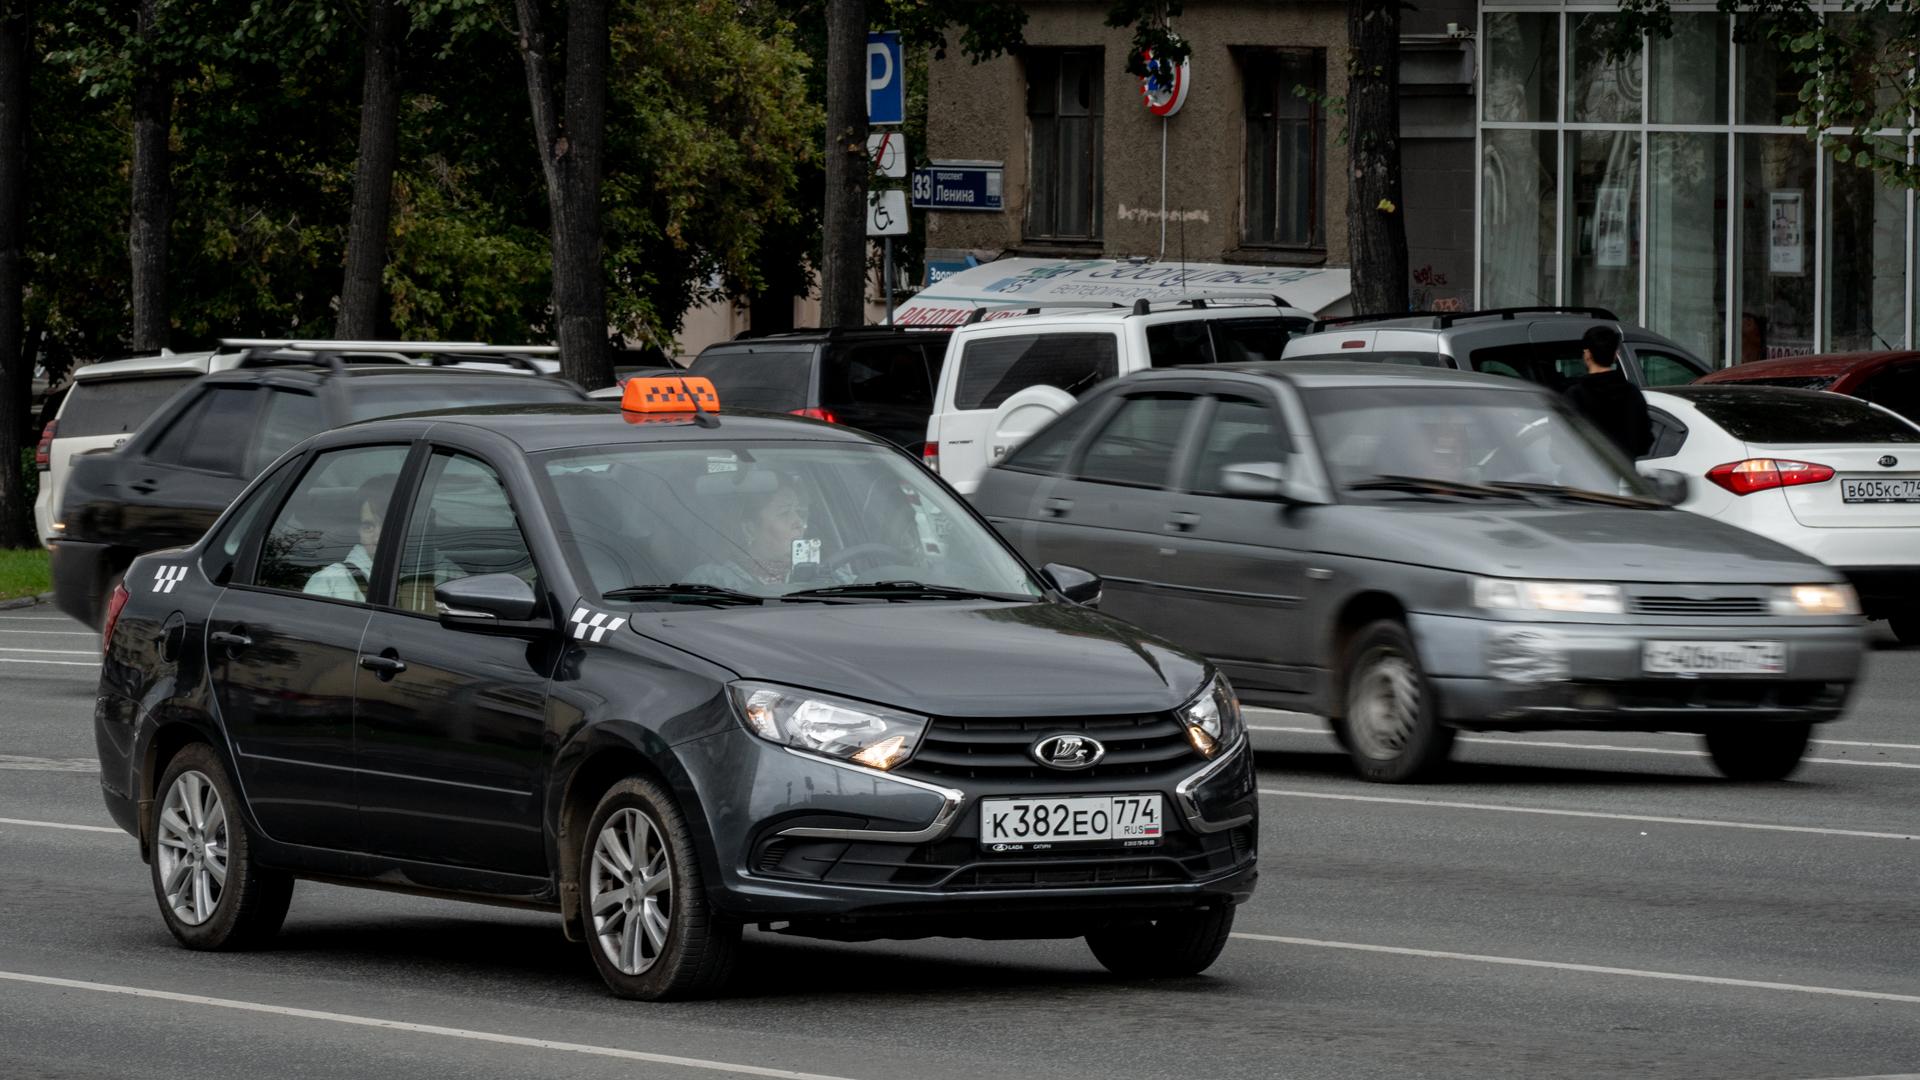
1835	477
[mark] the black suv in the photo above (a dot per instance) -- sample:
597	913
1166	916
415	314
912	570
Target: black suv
879	379
667	678
167	483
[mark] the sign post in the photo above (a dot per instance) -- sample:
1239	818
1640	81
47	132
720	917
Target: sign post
886	150
886	219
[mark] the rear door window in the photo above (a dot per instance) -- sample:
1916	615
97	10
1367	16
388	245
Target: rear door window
288	418
1170	344
211	433
116	406
1661	368
994	369
1137	446
771	380
1669	434
1240	341
1553	364
1800	418
893	376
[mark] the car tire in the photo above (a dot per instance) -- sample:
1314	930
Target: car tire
1171	946
212	893
667	943
1906	628
1760	752
1392	726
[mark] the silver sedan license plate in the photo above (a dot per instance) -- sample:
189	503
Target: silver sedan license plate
1714	658
1880	491
1045	823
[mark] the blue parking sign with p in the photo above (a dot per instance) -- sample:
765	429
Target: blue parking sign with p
886	79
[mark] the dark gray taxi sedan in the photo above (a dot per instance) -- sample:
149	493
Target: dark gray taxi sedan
667	675
1411	552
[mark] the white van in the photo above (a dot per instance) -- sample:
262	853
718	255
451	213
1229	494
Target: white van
1006	377
106	404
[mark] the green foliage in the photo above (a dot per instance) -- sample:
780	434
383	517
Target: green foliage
24	572
1861	92
1151	31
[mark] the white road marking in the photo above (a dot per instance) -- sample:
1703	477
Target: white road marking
42	764
60	825
1587	969
51	633
1644	818
51	652
57	663
36	618
419	1029
1601	746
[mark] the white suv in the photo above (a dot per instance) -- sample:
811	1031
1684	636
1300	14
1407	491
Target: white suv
1007	377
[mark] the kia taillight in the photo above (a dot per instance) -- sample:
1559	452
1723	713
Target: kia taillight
115	605
818	414
930	456
1762	474
43	454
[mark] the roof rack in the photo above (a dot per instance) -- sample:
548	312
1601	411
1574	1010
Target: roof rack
982	308
831	333
1444	319
268	357
513	359
1144	306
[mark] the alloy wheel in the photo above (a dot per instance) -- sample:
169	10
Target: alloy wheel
1386	706
191	844
630	891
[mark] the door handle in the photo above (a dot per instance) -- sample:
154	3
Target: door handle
1181	521
144	487
232	640
385	666
1057	507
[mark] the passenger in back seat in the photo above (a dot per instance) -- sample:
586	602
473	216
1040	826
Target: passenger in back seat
348	578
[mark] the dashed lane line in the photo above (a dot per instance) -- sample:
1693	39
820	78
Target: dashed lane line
1584	969
51	652
1671	752
417	1029
60	825
1653	819
55	663
26	763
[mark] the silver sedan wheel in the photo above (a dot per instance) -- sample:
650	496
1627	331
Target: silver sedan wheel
190	841
630	891
1385	707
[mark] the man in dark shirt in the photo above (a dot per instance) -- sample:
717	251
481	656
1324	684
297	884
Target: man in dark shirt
1607	399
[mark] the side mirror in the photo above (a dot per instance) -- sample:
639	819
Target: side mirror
1669	486
1254	480
1075	584
485	602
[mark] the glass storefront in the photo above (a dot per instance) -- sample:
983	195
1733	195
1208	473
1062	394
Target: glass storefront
1669	185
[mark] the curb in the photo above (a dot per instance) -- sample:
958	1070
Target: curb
25	601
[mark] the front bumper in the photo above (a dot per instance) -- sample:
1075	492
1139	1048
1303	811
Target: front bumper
1555	675
847	852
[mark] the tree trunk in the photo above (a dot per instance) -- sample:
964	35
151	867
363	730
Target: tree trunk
571	133
362	291
843	222
152	192
1376	230
16	367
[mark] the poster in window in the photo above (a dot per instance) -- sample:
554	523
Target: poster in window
1786	233
1611	246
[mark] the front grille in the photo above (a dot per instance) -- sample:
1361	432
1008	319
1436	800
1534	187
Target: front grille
958	863
1719	606
998	748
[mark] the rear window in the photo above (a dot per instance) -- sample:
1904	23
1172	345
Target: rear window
996	368
772	380
116	406
1788	418
1238	341
883	375
375	398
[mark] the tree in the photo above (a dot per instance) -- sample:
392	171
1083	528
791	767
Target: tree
16	368
1862	86
843	264
362	289
1376	231
152	182
570	130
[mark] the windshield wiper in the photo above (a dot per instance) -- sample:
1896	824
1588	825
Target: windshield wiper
900	590
684	591
1578	494
1427	485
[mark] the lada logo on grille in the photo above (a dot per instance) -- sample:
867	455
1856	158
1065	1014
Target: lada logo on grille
1068	752
1889	461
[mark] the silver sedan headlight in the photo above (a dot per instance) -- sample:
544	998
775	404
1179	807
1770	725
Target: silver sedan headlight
834	727
1816	600
1576	597
1213	718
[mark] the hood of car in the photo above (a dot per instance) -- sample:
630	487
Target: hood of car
943	658
1574	543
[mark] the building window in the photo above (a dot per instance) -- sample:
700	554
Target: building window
1285	163
1063	116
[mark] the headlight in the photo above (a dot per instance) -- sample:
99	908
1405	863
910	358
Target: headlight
1580	597
1816	600
833	727
1213	719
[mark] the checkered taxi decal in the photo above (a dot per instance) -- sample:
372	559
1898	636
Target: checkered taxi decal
590	625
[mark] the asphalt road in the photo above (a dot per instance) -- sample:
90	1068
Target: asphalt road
1558	906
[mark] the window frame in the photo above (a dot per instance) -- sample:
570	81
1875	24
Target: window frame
179	417
386	564
1315	59
1179	462
1033	227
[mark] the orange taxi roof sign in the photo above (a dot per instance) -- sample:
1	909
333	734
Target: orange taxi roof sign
669	394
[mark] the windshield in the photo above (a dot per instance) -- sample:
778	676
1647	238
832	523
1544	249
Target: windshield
1462	435
769	519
